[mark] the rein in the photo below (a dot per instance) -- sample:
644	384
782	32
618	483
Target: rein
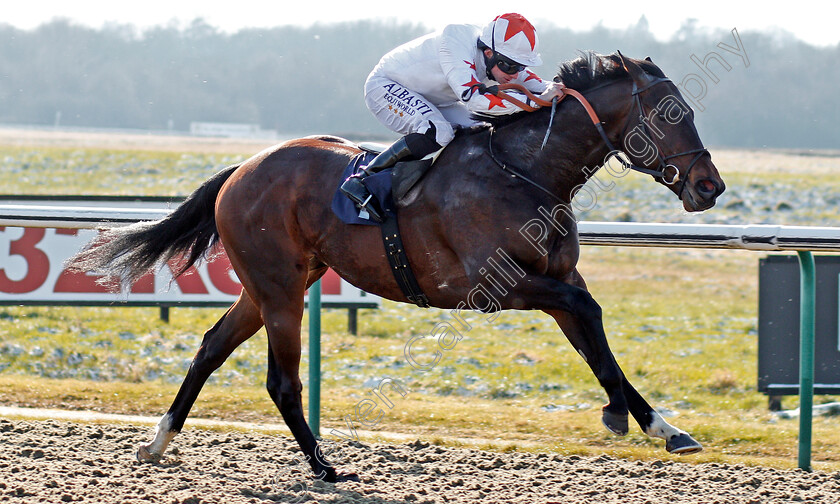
660	171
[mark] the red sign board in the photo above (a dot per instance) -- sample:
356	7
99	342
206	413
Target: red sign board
32	272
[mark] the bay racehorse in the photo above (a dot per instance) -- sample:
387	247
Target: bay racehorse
272	215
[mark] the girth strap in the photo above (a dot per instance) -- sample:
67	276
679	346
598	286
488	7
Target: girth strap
398	260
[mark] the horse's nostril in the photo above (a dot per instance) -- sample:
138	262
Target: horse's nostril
706	186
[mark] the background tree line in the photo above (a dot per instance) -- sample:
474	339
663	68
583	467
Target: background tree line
309	80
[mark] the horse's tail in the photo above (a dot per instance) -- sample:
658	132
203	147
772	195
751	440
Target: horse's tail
186	234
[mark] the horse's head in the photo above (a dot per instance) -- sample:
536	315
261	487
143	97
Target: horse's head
660	136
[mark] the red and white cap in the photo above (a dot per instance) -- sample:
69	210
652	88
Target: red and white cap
512	36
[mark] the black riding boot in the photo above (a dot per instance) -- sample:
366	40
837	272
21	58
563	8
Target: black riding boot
356	190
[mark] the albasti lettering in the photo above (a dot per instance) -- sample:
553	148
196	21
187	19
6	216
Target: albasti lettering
402	97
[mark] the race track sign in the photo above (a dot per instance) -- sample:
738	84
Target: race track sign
778	325
32	273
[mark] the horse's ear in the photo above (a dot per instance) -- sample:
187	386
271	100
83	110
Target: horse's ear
647	58
639	76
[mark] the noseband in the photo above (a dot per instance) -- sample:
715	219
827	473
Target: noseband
660	172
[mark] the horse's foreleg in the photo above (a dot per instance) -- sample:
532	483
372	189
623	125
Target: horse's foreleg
240	322
676	440
553	296
599	357
651	422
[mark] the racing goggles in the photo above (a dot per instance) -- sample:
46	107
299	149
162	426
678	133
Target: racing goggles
507	65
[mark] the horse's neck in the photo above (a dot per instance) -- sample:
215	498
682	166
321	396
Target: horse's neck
579	157
570	157
575	149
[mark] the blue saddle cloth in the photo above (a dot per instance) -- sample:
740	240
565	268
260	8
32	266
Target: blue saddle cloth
379	185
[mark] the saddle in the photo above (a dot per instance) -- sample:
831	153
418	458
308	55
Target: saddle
390	188
405	174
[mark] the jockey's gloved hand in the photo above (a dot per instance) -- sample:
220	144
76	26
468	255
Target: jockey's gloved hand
554	89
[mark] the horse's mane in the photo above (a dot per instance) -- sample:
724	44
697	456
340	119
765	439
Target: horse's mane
585	72
591	69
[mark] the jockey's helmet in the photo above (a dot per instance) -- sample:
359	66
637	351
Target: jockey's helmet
512	36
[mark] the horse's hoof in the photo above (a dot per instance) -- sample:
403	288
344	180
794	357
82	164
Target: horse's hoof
346	476
144	455
615	423
683	445
330	475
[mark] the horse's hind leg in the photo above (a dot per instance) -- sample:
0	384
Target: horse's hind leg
676	440
282	313
240	322
284	387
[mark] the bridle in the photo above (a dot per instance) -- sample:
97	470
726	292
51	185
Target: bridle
660	172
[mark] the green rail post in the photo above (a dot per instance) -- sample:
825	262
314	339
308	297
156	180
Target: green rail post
315	358
807	295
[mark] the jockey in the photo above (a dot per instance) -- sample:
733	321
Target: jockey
426	87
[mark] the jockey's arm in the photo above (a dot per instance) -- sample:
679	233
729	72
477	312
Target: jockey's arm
457	59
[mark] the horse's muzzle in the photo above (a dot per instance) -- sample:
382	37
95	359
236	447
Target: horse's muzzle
702	194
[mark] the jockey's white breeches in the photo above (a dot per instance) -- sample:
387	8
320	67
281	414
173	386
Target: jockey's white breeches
405	111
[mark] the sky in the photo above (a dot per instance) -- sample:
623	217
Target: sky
808	21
